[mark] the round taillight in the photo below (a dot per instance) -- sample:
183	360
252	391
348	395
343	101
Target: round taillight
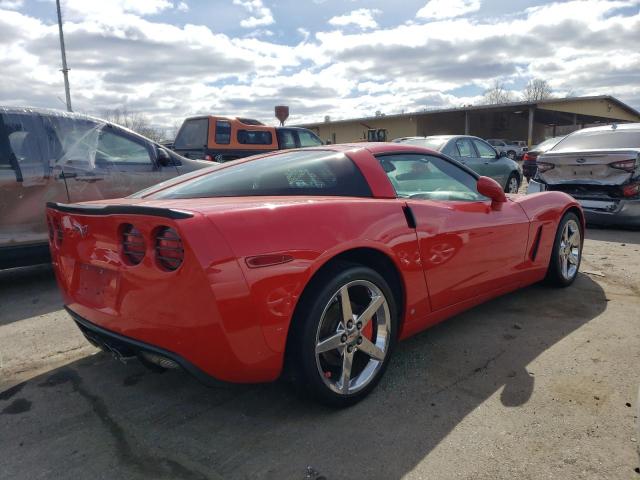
169	251
133	247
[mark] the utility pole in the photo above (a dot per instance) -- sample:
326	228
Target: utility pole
65	70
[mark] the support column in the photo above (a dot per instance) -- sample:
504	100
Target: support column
466	122
531	116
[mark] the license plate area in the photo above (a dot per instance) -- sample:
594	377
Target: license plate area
97	286
600	205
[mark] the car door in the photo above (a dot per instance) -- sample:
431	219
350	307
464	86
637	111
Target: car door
26	180
492	166
467	247
467	155
110	163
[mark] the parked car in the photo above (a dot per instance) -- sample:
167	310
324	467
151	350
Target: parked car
311	262
48	155
514	149
221	139
529	167
600	167
478	155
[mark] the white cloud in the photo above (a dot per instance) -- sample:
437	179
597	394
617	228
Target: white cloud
122	56
11	4
182	7
260	15
363	18
438	9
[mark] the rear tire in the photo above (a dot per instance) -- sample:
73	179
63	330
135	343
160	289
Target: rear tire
513	183
567	252
340	346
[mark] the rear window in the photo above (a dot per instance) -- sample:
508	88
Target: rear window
193	134
599	140
254	137
432	143
315	172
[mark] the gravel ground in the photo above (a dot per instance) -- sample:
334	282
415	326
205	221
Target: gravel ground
538	384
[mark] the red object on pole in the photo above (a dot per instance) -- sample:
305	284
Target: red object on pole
282	113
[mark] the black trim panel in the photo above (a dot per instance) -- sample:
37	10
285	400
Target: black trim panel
136	345
119	209
24	255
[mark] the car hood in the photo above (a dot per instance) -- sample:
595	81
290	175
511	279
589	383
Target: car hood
588	166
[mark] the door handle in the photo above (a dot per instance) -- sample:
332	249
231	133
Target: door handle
67	175
88	179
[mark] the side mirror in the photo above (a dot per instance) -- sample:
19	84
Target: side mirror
502	154
488	187
164	159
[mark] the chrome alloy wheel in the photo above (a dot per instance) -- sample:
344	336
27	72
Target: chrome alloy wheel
513	185
570	243
353	337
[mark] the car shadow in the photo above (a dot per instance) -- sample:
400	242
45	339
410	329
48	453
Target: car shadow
604	234
96	415
31	291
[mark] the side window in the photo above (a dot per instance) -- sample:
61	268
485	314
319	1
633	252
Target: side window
254	137
24	146
287	139
114	148
484	150
308	139
425	177
193	134
451	149
465	148
223	132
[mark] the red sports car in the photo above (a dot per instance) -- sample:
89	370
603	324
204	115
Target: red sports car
311	263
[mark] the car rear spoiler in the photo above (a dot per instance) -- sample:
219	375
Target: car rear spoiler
90	209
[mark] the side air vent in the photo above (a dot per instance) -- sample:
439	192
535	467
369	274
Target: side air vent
169	251
133	247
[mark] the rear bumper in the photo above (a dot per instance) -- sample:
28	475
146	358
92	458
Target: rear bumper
616	212
123	347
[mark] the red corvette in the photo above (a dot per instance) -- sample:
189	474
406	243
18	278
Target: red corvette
310	262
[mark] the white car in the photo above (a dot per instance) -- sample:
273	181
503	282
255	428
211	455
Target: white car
514	149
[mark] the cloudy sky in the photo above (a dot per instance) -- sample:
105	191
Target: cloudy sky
343	58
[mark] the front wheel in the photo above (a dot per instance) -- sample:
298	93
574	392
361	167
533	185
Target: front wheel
343	334
567	252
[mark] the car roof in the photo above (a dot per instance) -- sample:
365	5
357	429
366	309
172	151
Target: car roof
608	128
50	112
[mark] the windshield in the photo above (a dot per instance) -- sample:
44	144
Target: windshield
315	172
599	139
434	143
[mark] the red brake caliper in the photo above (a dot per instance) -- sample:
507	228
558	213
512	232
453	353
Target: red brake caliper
367	331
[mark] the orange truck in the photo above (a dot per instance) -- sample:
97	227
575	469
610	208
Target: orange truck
221	139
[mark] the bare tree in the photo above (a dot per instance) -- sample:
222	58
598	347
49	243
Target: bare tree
135	121
537	89
497	94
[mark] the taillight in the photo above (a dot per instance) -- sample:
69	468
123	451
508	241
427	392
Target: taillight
631	190
169	251
626	165
545	167
133	248
529	157
208	157
57	231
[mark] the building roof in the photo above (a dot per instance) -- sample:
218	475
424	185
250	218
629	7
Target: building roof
499	106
